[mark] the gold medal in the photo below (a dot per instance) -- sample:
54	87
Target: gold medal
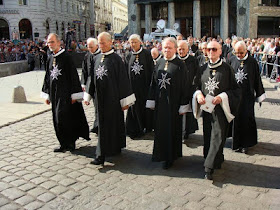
102	59
166	66
242	64
213	72
137	58
54	62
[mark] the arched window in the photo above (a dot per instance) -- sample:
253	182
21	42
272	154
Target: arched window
25	29
4	29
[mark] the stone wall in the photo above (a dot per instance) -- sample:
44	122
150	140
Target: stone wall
11	68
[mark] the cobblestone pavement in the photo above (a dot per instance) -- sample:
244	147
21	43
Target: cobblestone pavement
33	177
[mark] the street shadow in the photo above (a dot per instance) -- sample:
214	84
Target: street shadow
194	141
87	151
268	124
33	102
264	148
272	100
270	89
237	173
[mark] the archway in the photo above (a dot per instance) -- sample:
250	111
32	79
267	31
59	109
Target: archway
25	29
4	29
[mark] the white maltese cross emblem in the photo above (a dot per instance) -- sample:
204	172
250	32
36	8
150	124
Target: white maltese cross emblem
100	72
136	68
55	73
211	85
162	82
240	76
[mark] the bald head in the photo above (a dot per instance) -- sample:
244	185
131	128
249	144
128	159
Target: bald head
214	50
155	53
240	49
183	48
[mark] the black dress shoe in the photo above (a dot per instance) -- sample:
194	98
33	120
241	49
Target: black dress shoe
244	150
208	176
238	150
167	164
71	148
98	161
60	149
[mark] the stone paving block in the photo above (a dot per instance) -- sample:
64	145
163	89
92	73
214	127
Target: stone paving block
210	201
81	161
113	200
24	200
64	171
58	190
105	207
124	204
14	170
11	206
49	174
38	180
89	171
78	186
18	182
22	173
101	195
34	205
67	182
49	184
118	191
26	187
84	178
40	171
233	206
153	204
10	178
13	193
58	177
37	191
192	205
70	195
74	166
3	201
178	201
4	174
139	188
194	196
249	193
46	197
74	174
4	186
30	176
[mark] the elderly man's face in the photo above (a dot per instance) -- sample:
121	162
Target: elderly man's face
104	43
240	52
154	54
169	49
214	51
135	44
182	49
92	47
53	43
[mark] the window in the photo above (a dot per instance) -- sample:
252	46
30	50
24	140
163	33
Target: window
22	2
67	6
1	2
270	3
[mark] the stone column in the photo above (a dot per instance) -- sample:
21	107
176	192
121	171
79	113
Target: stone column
171	15
196	19
134	26
148	18
242	22
224	19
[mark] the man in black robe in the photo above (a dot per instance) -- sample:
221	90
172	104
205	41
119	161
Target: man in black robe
190	124
140	67
216	88
248	77
87	69
169	97
62	88
203	58
111	87
226	47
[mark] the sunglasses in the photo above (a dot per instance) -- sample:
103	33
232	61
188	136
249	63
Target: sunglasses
213	49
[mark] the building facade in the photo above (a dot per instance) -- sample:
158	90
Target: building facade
33	19
120	21
246	18
103	16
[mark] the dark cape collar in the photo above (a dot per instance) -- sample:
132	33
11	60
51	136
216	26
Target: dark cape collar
174	56
216	64
184	58
157	59
108	53
135	53
243	59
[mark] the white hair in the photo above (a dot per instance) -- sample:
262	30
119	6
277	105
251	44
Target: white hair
92	40
170	39
135	36
240	44
106	34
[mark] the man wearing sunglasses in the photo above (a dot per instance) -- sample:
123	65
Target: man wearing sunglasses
248	77
216	89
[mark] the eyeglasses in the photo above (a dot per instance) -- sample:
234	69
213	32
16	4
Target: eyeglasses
204	48
213	49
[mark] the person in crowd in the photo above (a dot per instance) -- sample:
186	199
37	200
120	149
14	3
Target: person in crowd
190	124
218	95
140	68
248	78
155	55
203	58
62	88
168	96
111	87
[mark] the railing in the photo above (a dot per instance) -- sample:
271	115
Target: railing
10	57
266	62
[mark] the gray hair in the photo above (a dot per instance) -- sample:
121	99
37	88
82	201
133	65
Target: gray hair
106	34
92	40
184	42
170	39
135	36
55	35
240	44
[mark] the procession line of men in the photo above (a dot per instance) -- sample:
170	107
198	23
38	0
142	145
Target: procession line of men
159	93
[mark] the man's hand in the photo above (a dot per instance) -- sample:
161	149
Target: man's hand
73	101
47	102
217	100
125	107
87	103
201	99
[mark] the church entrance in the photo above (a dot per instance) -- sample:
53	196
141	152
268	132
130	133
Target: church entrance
4	29
25	29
